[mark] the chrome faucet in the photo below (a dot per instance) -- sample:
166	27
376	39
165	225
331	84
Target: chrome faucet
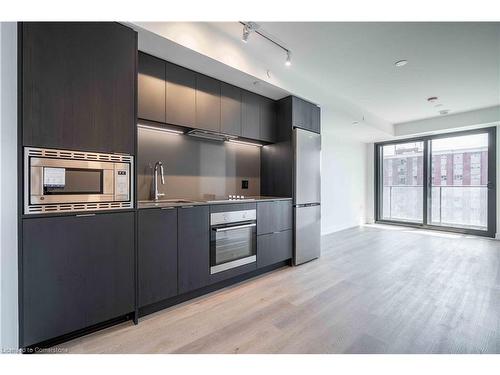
157	194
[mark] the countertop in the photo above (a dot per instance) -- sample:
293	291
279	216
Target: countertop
203	202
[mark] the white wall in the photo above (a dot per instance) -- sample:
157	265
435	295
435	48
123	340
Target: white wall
8	187
456	121
343	180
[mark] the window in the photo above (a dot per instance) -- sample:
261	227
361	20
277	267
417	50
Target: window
475	168
458	169
457	195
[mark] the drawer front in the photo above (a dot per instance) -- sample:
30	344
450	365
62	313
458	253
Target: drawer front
274	216
273	248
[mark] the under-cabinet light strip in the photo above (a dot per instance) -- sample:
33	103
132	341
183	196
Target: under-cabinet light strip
245	143
160	129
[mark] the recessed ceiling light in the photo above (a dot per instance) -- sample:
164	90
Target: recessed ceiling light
355	122
444	111
432	99
401	63
438	105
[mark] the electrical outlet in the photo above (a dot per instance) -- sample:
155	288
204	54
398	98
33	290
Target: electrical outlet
244	184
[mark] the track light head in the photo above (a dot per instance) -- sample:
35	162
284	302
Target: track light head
246	33
288	61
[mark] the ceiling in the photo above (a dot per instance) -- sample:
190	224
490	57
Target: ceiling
457	62
348	68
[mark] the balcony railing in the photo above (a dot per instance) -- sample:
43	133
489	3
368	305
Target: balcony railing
454	205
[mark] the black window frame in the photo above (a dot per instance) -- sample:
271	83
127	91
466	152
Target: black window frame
492	209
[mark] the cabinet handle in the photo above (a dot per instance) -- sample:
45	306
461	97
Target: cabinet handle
225	229
187	206
84	215
167	208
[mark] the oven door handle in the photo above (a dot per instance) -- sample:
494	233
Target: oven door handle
225	229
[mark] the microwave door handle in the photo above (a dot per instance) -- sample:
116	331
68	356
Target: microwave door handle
225	229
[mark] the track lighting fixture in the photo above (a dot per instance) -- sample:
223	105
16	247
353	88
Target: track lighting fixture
249	27
288	61
246	33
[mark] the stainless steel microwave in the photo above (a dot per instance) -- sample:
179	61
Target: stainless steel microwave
63	180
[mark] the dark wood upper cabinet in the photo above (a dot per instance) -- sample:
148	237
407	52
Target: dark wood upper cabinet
230	109
78	86
193	248
197	101
157	255
250	115
181	96
267	119
76	272
305	115
316	119
301	113
151	88
208	103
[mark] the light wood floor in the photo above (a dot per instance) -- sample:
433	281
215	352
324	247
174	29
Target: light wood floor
374	290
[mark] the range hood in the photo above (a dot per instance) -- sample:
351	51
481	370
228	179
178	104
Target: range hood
206	134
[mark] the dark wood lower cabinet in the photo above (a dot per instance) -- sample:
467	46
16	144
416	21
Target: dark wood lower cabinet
273	248
76	272
157	255
274	216
193	248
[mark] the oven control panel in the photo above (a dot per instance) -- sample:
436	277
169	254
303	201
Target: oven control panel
217	218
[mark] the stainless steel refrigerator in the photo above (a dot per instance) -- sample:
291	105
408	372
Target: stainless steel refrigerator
307	195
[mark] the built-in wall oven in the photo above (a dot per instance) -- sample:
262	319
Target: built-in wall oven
63	180
232	239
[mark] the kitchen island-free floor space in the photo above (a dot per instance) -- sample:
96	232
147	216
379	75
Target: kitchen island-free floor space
374	290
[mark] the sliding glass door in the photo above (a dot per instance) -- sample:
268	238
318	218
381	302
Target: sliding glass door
459	182
402	181
439	182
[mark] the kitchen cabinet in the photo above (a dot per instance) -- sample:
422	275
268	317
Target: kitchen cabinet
230	109
267	120
274	216
305	115
151	88
301	113
193	247
208	103
194	100
273	248
157	255
78	86
316	119
250	115
181	96
76	272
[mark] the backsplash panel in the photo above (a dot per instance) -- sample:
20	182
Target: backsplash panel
195	168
